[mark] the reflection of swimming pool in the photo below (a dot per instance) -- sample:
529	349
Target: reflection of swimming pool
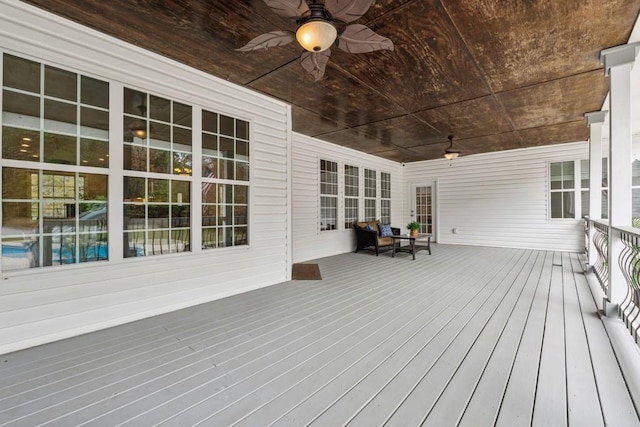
66	255
15	250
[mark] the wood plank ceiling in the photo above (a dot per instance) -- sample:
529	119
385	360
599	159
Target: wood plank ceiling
497	74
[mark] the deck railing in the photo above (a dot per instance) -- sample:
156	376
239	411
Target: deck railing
628	263
601	244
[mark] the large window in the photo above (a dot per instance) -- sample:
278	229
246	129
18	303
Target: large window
385	197
55	133
562	188
328	195
56	170
157	144
370	211
225	186
351	195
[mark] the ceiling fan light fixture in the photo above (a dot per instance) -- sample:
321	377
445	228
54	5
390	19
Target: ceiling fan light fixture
316	35
139	131
451	153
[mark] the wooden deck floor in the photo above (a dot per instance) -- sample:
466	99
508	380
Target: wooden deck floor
465	337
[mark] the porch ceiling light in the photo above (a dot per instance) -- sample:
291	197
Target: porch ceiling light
451	153
139	127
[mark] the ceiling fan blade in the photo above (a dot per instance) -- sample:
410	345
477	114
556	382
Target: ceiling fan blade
271	39
288	8
347	10
357	38
314	63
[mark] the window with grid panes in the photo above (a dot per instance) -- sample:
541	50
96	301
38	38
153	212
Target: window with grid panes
370	194
53	215
157	145
328	195
351	195
385	197
562	189
225	176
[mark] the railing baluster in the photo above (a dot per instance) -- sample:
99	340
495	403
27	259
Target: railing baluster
629	263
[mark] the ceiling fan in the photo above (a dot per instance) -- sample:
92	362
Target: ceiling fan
319	26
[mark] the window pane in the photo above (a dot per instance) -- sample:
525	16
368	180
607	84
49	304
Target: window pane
242	129
60	117
556	205
160	109
182	164
135	158
94	92
568	203
227	126
159	161
60	149
242	171
181	114
20	110
227	148
585	202
180	192
94	123
20	144
94	153
556	176
19	73
568	175
60	83
328	213
635	173
210	145
20	218
159	135
209	121
635	207
135	102
584	173
182	139
209	167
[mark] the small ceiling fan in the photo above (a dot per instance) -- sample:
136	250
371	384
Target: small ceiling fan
321	25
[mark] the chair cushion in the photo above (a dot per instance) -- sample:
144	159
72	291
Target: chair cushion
385	241
368	227
373	224
385	230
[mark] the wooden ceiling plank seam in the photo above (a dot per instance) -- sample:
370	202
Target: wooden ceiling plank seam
483	73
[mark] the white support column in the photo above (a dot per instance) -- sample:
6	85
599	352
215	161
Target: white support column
618	62
595	121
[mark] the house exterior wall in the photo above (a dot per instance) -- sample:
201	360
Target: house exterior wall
499	199
50	303
309	242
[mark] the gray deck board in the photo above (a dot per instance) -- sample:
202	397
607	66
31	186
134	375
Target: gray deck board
583	403
467	336
550	407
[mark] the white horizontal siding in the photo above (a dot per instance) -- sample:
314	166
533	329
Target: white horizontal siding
58	302
499	199
308	241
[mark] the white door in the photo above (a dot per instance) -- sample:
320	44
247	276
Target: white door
423	207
